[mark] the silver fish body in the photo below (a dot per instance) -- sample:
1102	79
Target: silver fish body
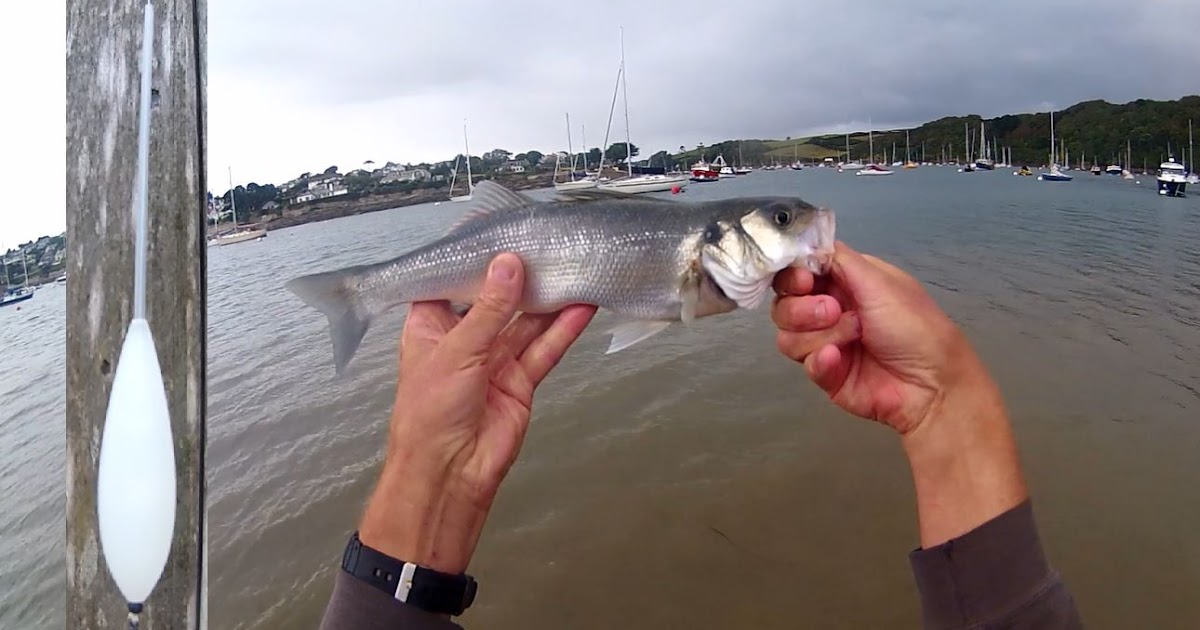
653	261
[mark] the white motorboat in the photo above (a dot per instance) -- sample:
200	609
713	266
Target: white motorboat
1172	178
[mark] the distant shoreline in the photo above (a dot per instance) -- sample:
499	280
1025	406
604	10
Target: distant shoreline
337	208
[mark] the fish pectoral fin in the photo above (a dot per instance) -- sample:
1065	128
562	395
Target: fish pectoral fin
630	333
689	293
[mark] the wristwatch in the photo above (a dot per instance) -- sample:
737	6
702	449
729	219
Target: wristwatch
429	590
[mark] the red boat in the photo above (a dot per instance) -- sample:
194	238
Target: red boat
703	172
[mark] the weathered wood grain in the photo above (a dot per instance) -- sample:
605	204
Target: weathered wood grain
103	42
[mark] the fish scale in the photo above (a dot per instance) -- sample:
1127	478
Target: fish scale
635	256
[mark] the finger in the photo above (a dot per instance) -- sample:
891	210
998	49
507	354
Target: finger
472	338
545	352
889	269
828	368
858	275
802	313
793	281
798	345
522	331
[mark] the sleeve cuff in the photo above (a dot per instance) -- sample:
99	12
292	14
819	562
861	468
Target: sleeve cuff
356	605
985	574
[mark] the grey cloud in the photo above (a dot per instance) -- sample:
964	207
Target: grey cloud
707	71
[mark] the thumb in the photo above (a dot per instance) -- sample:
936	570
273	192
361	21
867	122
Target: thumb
493	309
857	275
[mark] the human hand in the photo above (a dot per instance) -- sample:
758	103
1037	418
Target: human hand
462	407
872	338
875	341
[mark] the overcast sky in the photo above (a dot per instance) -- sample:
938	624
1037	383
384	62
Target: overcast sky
300	85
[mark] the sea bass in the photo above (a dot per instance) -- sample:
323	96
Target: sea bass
653	261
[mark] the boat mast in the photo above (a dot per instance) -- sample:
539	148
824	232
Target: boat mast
1191	149
583	150
1052	165
570	147
966	143
24	267
232	203
467	148
870	142
625	101
847	147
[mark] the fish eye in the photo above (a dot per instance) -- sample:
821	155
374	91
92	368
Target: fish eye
782	217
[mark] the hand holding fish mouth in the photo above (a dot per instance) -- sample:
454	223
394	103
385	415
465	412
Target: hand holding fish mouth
462	408
872	338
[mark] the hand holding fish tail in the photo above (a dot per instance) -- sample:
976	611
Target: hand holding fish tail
462	408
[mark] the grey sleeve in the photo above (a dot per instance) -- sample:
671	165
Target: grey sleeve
355	605
994	576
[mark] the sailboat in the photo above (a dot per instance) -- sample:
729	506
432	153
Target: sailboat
908	163
236	235
741	168
849	165
470	181
1126	173
573	184
968	163
984	163
1054	175
20	294
639	183
872	168
1193	177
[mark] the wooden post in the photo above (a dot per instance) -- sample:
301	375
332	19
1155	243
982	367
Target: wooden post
104	40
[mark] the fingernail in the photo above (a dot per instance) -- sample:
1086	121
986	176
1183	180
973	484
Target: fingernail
820	310
502	270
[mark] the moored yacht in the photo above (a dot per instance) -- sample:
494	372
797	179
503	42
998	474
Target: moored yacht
1172	178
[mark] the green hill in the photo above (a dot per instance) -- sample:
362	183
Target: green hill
1098	129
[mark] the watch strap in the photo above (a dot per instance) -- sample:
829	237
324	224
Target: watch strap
425	588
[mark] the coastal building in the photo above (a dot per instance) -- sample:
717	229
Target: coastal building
324	186
513	166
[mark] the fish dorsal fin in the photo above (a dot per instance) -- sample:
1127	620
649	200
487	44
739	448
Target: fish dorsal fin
488	198
585	195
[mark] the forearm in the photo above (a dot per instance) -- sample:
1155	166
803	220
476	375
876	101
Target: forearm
964	459
421	514
996	575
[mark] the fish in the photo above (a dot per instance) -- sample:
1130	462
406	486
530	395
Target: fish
652	261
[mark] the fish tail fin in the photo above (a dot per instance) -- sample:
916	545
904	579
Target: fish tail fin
337	295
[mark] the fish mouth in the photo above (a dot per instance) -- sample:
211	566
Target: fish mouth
819	242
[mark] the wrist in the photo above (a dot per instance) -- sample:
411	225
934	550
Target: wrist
420	514
963	458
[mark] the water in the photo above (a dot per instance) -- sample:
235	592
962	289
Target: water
697	479
32	461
